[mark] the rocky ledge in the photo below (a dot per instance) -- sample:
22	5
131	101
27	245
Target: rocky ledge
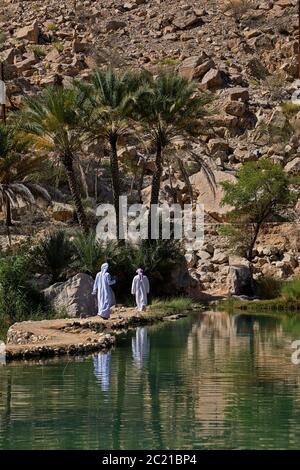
75	336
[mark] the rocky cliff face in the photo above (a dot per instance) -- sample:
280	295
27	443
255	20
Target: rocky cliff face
245	52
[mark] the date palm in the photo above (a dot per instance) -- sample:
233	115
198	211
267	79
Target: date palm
54	121
169	111
17	173
111	101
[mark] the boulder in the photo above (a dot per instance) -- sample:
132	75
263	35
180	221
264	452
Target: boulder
31	33
8	55
218	145
186	22
195	66
74	295
203	255
210	196
220	257
239	280
293	167
238	94
62	212
236	108
214	78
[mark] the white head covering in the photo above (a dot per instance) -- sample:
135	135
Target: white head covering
140	272
104	268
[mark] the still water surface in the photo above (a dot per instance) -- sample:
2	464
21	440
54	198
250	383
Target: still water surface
209	381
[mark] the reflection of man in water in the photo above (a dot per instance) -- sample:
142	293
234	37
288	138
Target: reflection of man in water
2	353
140	347
102	362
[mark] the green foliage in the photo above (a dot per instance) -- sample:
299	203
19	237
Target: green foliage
290	109
90	253
168	107
268	287
261	190
18	299
281	134
172	305
18	170
166	61
157	259
51	26
38	51
54	255
276	84
58	46
291	290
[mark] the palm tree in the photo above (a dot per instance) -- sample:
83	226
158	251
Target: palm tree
17	171
54	120
169	111
111	99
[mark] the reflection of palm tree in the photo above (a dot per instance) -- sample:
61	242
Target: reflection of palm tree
154	387
6	415
121	387
102	363
140	347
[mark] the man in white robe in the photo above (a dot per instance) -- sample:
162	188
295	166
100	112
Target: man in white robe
102	366
140	288
105	295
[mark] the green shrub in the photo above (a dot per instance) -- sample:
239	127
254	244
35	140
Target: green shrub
38	51
51	26
58	46
90	253
54	255
291	290
172	305
290	109
19	300
268	287
157	259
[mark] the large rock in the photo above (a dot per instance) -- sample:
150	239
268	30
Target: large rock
196	66
293	167
238	94
187	22
62	212
210	196
236	108
31	32
240	281
220	257
74	295
213	79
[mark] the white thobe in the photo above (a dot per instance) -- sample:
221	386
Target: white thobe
140	288
105	295
102	364
140	347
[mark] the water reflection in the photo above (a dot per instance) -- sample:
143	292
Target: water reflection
2	353
102	369
211	381
140	347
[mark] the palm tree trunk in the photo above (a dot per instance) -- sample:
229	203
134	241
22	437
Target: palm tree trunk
141	181
115	181
73	185
8	221
8	213
156	180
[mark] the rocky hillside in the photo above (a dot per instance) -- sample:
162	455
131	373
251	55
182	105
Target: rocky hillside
242	51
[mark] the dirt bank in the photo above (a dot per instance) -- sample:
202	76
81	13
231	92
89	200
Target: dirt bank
72	336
